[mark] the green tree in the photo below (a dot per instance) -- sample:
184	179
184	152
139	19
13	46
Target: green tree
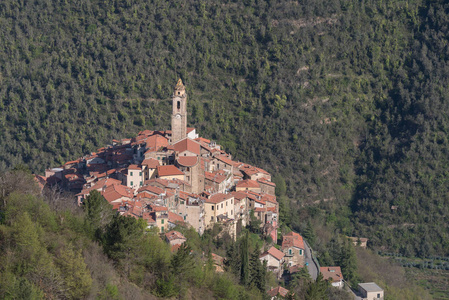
77	277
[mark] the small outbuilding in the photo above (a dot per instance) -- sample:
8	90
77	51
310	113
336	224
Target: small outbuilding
371	291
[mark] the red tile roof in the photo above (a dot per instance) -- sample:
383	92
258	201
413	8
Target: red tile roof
158	208
187	161
278	291
174	235
175	218
225	160
332	274
292	239
156	142
168	170
220	197
274	252
151	189
187	145
247	183
239	195
151	163
201	139
117	191
264	181
215	177
134	167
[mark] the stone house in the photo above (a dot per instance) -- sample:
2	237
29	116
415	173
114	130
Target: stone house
275	261
293	248
333	275
217	207
169	172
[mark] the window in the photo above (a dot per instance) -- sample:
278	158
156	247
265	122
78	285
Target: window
162	228
212	207
232	212
300	252
131	173
184	218
140	173
222	205
378	296
179	104
226	203
141	183
182	202
290	251
179	93
231	201
162	221
132	183
212	218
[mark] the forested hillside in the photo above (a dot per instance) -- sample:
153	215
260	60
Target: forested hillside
345	100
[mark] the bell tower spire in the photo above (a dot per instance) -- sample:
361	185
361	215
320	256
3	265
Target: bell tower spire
179	114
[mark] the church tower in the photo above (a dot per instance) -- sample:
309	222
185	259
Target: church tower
179	115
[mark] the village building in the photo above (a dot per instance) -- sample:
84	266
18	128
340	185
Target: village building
175	238
135	177
333	275
293	248
371	291
278	293
174	177
275	261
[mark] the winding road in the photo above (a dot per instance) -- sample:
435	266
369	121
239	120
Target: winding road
313	268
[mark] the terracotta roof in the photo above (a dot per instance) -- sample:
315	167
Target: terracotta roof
175	218
187	144
220	197
158	208
151	163
134	167
225	160
239	195
168	170
292	239
174	235
156	142
201	139
274	252
117	191
247	183
146	132
152	189
148	217
260	209
265	181
190	129
100	184
72	162
331	273
217	259
278	291
215	177
187	161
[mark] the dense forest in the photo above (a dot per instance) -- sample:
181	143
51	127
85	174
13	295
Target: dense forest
343	100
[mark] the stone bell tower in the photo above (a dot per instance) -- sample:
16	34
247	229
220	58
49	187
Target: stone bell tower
179	115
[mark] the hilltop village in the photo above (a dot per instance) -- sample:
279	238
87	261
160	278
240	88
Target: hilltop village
174	177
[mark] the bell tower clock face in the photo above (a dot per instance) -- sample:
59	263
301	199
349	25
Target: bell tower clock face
178	116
